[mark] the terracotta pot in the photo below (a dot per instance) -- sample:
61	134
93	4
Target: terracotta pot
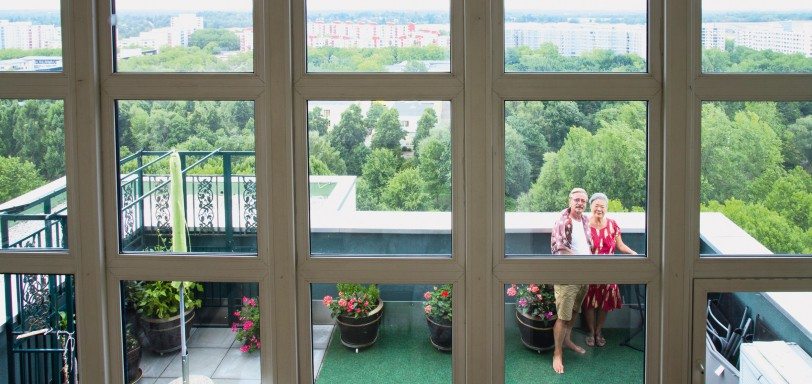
439	333
363	331
536	333
164	334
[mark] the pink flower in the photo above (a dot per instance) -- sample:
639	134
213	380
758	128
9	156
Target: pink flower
522	302
252	302
427	295
534	288
237	313
342	303
233	327
427	309
245	348
511	291
548	315
327	300
247	325
244	299
258	344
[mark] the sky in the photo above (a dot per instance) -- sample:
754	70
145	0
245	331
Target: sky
422	5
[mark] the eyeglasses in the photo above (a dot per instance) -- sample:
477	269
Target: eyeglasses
579	200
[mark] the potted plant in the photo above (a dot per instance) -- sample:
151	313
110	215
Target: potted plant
133	355
535	314
158	303
247	325
437	306
357	311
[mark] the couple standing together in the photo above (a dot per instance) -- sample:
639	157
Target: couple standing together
576	234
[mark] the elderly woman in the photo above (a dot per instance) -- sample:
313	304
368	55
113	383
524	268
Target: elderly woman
602	297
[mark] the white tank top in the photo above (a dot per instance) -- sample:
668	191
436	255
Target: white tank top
579	244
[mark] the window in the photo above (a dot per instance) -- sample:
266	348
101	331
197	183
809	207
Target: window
31	37
177	36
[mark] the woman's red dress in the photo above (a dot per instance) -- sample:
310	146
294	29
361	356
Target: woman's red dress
604	296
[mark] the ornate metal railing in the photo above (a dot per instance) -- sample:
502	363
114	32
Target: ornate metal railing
43	303
219	201
223	203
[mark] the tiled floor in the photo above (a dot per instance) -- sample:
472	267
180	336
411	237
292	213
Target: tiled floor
212	353
321	339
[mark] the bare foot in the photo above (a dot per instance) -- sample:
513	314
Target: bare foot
575	347
558	364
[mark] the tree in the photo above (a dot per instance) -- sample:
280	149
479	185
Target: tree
321	150
526	117
357	157
241	113
317	122
379	168
427	122
434	167
388	133
317	167
17	177
798	144
349	133
735	152
791	197
222	39
415	66
405	192
374	113
612	161
517	166
772	230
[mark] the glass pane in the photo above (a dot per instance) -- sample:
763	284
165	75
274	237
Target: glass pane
30	36
184	36
221	331
554	147
210	146
755	36
380	177
369	334
758	335
756	185
33	195
38	323
607	333
375	36
576	36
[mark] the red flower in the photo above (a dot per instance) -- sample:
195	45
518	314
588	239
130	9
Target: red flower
444	294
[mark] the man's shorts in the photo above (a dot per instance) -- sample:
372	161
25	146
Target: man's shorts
568	299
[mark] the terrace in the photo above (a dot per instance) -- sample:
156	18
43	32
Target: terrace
221	217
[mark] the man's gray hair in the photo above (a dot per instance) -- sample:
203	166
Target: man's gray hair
598	196
578	190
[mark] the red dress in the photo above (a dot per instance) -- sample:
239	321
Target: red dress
604	296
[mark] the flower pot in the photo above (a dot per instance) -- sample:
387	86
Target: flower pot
164	334
537	333
361	332
439	333
133	365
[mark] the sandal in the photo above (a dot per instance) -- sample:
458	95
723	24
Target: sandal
590	341
600	341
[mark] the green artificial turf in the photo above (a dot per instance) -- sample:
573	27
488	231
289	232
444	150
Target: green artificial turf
403	354
607	365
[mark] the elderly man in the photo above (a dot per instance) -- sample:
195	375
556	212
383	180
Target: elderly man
570	236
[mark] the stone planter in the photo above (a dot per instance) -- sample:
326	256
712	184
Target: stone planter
361	332
164	334
439	333
536	333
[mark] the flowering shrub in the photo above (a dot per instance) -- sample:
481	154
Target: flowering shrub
247	325
354	300
437	304
535	300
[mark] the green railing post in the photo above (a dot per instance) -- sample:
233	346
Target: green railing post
46	209
139	190
227	201
183	177
9	325
3	231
